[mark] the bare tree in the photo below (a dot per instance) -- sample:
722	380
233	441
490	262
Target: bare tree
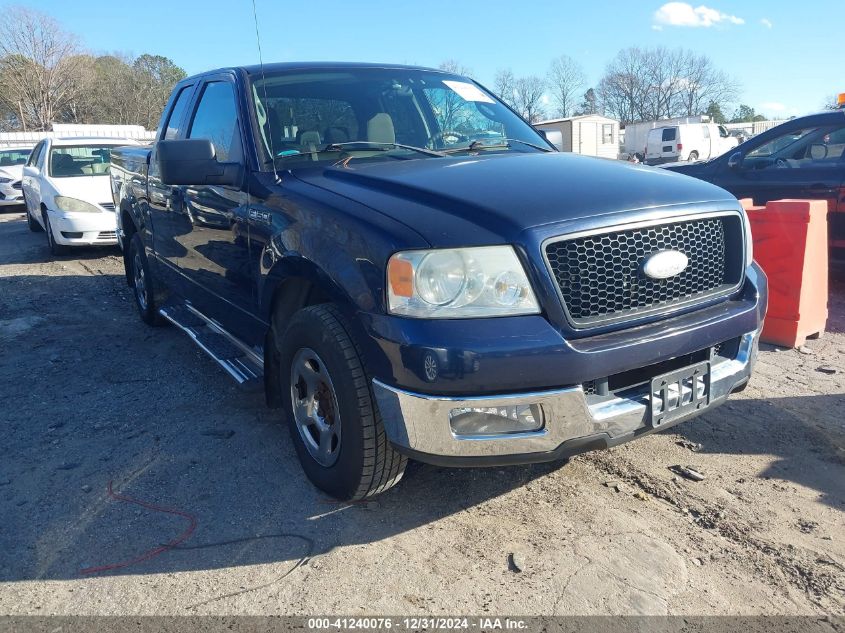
529	93
565	79
454	66
650	84
504	86
831	102
39	63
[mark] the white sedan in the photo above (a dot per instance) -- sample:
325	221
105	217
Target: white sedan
67	192
12	160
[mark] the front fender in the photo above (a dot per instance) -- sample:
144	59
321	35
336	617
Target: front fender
295	266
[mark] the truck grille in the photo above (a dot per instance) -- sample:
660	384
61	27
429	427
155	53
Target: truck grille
601	276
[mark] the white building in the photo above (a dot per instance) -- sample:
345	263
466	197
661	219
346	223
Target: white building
589	134
63	130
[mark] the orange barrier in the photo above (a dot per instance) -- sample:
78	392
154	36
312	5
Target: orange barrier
790	244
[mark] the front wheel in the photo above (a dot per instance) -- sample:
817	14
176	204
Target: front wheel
142	282
31	222
693	156
55	249
333	419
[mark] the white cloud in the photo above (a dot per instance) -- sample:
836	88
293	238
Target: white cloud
766	22
684	14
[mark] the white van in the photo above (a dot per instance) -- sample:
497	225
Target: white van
687	142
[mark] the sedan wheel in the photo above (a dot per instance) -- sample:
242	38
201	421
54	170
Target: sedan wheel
55	249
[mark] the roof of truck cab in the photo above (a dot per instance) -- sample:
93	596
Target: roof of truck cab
257	69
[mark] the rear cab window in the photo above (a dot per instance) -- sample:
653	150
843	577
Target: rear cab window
177	113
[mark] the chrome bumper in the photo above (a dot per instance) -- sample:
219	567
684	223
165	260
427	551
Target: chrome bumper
419	424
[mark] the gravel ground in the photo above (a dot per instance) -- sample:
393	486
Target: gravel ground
91	396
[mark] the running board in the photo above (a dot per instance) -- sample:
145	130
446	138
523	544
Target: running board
244	364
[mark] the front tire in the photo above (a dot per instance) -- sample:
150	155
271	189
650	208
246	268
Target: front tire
142	282
333	419
55	249
693	156
31	222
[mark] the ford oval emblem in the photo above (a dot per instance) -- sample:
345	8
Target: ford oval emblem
665	264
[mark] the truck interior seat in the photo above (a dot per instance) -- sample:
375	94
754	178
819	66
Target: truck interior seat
309	140
380	129
337	135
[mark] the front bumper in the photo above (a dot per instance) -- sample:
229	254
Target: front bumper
418	424
84	229
10	195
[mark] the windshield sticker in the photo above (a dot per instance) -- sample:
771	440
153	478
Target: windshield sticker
468	92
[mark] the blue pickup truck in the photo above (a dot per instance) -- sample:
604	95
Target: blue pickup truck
409	270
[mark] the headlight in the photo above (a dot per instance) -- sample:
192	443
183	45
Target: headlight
5	181
455	283
72	205
749	242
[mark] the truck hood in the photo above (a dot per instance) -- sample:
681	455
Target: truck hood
496	197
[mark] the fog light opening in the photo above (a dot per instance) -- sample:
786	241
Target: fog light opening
521	418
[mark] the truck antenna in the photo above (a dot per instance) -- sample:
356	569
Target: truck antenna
264	87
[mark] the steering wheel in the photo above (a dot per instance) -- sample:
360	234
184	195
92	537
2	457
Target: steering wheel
782	163
439	137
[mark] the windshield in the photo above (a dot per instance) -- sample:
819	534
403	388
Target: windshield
9	157
381	114
70	161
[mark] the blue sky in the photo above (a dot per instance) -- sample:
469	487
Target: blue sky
786	55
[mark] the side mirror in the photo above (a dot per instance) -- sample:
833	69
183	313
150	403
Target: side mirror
194	162
735	160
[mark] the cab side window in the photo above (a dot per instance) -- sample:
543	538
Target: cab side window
805	148
216	119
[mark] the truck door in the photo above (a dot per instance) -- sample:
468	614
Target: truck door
166	218
216	241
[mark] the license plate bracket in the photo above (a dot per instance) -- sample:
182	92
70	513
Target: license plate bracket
678	393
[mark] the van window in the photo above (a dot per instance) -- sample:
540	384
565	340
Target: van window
669	134
705	129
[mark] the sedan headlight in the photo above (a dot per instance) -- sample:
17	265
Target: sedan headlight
72	205
5	181
457	283
749	241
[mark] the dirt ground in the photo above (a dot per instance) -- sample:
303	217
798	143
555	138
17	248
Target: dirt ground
89	395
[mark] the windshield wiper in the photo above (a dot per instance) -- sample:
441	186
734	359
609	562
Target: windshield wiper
384	147
505	143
